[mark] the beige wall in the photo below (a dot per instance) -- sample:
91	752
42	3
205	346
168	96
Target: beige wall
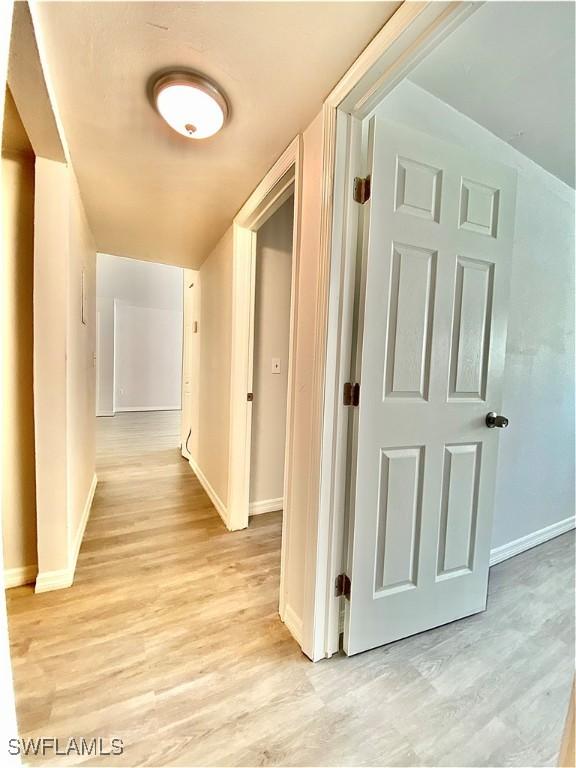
209	442
50	319
190	357
18	470
63	371
80	359
271	340
8	725
210	449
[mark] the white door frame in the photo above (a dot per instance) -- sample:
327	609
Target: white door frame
281	181
413	31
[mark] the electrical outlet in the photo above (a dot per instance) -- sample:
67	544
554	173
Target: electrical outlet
275	365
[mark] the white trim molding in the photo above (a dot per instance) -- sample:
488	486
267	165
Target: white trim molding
47	581
17	577
517	546
274	189
293	622
268	505
83	523
142	409
213	496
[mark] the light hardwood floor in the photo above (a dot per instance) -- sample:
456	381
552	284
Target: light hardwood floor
170	640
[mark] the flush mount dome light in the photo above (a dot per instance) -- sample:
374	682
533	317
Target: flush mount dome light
190	104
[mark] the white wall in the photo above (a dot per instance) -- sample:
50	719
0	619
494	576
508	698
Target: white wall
535	480
140	315
271	340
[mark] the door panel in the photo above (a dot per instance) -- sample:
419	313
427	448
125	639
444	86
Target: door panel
399	511
459	508
471	328
410	321
439	229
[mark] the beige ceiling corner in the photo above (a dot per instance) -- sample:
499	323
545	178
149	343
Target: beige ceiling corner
28	86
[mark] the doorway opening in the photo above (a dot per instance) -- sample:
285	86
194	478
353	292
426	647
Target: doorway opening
270	359
439	264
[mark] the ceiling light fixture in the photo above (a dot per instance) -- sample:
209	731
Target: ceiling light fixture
190	103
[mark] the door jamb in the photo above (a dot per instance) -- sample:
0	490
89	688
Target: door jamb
412	32
275	188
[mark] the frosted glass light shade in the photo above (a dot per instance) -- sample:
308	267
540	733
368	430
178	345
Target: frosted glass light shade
190	104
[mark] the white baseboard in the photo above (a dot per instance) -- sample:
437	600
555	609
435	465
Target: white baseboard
268	505
294	624
517	546
16	577
214	498
47	581
104	413
143	408
83	522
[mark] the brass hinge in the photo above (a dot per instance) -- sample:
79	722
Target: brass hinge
351	394
361	189
342	586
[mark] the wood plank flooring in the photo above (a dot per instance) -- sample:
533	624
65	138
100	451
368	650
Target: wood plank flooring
169	639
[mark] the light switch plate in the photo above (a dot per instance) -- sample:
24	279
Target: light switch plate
275	365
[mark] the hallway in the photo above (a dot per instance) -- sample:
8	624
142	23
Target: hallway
155	616
169	639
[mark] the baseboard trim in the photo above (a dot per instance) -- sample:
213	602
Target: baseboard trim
293	623
144	408
214	498
49	580
83	522
17	577
105	413
524	543
268	505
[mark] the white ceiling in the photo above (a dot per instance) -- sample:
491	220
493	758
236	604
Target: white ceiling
150	193
510	67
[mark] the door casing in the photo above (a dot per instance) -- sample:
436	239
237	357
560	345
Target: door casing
413	31
282	181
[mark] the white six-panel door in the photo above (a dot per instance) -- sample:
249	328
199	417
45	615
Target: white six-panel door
433	333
